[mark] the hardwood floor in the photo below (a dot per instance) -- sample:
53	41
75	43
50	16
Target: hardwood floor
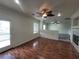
42	48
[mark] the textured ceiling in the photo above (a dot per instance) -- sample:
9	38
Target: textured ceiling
66	7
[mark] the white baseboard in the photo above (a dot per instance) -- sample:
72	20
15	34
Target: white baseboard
75	46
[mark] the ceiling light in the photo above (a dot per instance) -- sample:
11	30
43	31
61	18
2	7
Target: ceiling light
59	14
44	15
17	1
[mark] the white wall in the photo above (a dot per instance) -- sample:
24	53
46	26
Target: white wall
49	34
21	26
76	14
63	28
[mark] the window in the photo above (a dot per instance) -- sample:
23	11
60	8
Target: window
35	28
4	33
44	27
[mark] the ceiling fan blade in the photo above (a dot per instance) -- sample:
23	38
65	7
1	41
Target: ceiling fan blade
50	15
49	12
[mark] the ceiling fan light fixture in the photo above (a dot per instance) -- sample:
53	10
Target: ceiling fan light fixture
44	16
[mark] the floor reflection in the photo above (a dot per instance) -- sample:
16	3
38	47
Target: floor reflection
35	44
8	56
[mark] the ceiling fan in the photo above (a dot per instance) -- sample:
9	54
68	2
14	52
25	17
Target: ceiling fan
44	11
56	22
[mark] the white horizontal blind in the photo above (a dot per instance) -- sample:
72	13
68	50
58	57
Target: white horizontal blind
4	33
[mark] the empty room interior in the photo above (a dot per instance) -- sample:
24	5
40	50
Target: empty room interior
39	29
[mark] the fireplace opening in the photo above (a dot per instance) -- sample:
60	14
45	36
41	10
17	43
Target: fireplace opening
76	39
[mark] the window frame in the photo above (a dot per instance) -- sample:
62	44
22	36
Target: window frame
44	27
35	28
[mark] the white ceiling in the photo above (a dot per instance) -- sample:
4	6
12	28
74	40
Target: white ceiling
66	7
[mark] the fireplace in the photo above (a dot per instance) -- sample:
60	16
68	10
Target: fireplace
76	39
